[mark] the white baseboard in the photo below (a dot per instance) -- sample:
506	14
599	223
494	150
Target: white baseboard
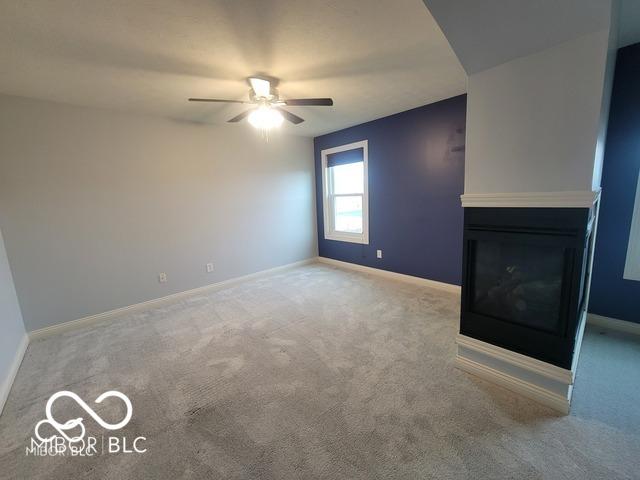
557	402
157	302
392	275
540	381
7	383
613	324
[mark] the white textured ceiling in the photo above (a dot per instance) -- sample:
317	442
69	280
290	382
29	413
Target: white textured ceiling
373	57
487	33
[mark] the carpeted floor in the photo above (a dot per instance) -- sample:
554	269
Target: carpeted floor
317	373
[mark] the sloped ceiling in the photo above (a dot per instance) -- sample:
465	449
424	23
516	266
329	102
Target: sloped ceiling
374	58
629	21
491	32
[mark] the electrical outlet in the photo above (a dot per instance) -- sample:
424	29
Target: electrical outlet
162	277
379	253
209	267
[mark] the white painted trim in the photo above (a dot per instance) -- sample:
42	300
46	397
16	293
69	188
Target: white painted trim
111	314
569	199
613	324
632	262
329	232
392	275
578	345
527	363
540	381
7	383
526	389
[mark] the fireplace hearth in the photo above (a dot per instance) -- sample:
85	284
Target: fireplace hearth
524	276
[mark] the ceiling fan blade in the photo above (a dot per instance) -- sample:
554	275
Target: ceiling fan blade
327	102
237	118
291	117
216	100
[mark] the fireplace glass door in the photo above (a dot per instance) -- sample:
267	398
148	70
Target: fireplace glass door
518	283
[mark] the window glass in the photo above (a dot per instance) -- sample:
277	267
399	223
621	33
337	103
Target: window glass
348	178
348	214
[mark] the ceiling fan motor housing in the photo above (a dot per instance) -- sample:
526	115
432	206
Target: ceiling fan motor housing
274	96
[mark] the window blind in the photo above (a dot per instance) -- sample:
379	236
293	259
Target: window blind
343	158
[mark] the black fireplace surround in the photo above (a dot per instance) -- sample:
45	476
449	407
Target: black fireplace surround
524	277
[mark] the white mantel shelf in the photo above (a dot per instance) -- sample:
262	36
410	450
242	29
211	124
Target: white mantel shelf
569	199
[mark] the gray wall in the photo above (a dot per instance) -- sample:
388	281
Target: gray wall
94	204
12	332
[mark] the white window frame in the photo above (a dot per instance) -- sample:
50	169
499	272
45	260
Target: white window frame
327	198
632	264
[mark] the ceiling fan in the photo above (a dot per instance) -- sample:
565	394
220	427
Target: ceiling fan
268	112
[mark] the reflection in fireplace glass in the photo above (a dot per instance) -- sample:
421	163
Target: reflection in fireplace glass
518	283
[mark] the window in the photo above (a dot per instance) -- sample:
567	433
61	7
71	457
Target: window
632	265
345	193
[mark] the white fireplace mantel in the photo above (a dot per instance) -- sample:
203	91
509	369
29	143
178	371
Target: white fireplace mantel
568	199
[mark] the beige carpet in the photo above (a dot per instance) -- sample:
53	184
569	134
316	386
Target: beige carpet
317	373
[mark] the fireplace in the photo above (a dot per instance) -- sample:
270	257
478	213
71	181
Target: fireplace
525	271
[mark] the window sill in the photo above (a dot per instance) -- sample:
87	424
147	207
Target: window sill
345	237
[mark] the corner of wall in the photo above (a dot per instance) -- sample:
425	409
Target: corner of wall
607	89
14	339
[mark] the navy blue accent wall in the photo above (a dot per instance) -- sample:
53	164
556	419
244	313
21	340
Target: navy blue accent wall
416	177
611	295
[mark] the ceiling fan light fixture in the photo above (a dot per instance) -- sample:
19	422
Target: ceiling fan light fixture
265	118
267	112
